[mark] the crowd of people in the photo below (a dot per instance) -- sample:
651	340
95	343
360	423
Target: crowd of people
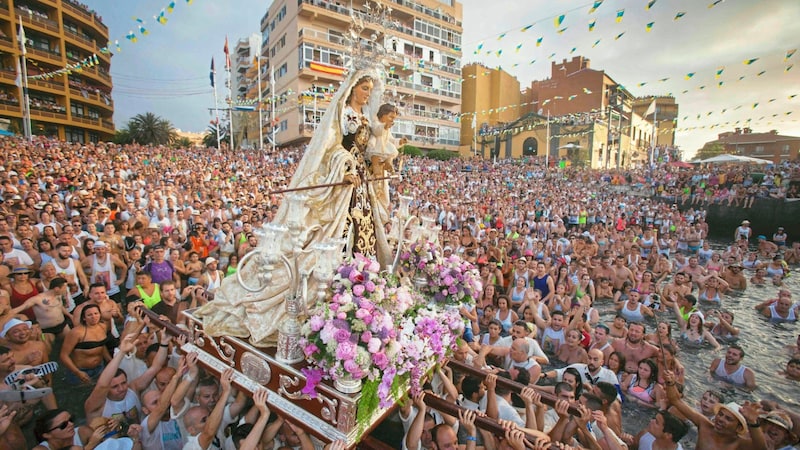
589	293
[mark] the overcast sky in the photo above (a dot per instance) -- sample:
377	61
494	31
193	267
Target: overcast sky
166	71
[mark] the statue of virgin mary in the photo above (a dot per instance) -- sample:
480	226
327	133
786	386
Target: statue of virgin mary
335	153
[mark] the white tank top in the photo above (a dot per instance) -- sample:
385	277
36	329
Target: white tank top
70	274
105	273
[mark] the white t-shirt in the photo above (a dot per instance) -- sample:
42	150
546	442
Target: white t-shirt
166	436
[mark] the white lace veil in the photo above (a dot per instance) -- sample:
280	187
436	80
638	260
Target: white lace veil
321	163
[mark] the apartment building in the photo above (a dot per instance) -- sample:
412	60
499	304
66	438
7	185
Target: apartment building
77	106
302	41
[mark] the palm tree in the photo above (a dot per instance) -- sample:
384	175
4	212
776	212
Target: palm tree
151	129
210	138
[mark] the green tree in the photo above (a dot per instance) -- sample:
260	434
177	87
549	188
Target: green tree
210	138
151	129
442	155
709	150
122	137
182	142
410	150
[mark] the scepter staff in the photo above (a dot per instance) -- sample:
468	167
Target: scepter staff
318	186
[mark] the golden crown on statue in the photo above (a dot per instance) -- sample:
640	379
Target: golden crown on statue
365	53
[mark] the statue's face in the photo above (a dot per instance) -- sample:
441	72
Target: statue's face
361	92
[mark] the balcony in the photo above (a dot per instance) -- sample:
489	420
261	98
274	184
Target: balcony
84	15
78	94
423	88
10	107
107	124
46	84
32	18
49	55
85	120
322	36
48	113
6	42
80	39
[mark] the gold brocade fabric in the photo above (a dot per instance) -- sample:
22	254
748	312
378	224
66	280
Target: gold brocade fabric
360	217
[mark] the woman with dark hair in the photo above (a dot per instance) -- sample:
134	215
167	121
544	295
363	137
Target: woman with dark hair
84	352
573	378
643	385
46	250
56	429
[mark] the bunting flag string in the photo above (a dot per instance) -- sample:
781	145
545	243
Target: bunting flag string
620	13
679	15
592	24
132	37
650	5
649	27
596	5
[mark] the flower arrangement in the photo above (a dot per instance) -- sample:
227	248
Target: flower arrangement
420	258
348	335
374	328
455	282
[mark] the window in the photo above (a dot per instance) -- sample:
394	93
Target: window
759	149
785	149
425	80
284	125
94	137
282	13
76	109
530	147
282	70
74	135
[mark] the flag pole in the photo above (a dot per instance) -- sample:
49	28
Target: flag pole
216	103
653	138
273	97
547	152
229	83
260	116
26	104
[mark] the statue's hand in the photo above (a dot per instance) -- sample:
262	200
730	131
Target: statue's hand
352	179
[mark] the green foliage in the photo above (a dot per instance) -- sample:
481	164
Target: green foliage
367	404
150	129
210	138
442	155
410	150
182	142
709	150
122	137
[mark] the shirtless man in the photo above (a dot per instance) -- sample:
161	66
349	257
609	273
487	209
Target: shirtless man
728	429
731	370
695	270
194	268
734	277
50	310
618	328
621	273
678	286
603	271
634	347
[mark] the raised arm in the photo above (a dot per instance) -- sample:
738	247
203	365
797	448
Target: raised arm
94	404
254	436
215	418
164	400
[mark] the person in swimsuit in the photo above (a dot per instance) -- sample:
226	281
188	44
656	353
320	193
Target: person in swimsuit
642	386
84	352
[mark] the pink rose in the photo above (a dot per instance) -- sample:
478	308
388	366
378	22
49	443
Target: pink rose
374	345
358	290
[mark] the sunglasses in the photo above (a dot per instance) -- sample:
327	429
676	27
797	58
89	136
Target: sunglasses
63	425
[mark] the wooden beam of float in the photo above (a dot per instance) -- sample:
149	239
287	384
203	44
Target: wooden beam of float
482	422
548	398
